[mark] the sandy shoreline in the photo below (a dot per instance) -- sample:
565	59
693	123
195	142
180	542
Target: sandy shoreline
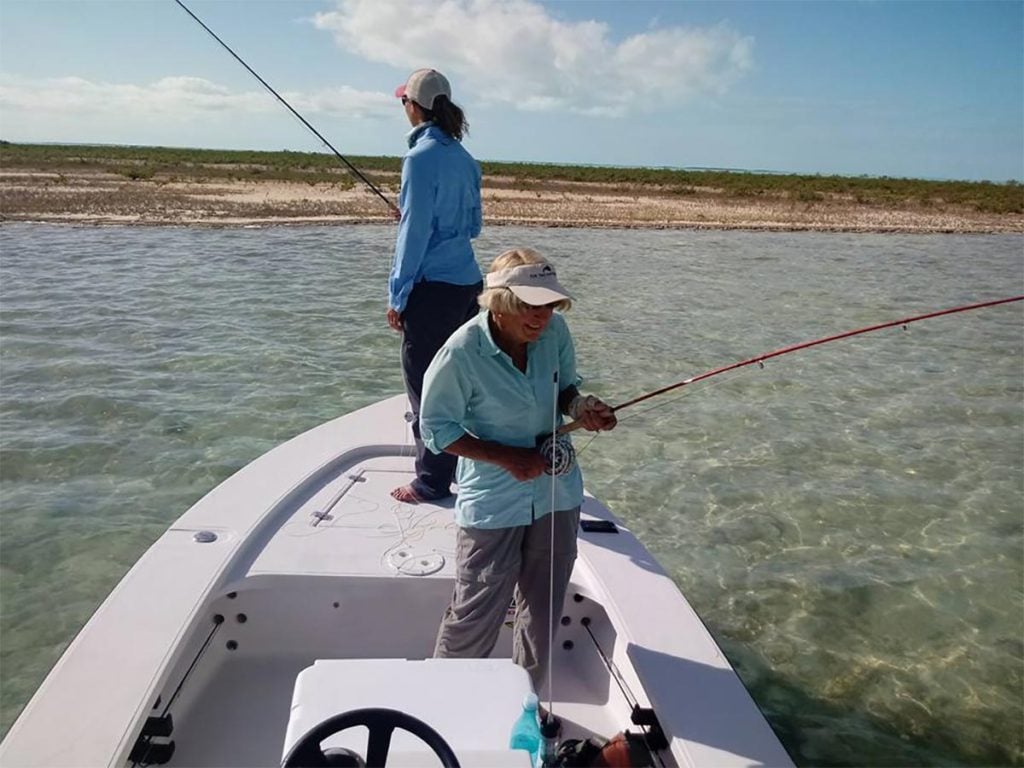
98	197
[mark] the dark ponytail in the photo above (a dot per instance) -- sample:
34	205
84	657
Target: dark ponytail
448	117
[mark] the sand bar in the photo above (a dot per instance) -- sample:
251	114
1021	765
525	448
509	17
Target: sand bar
93	196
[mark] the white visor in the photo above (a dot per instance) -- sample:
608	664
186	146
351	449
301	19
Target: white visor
533	284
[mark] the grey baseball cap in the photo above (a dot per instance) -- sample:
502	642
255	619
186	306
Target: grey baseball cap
423	86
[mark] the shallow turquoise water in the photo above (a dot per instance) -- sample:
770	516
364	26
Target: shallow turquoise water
849	521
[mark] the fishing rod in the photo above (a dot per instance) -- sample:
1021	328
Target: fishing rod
303	120
560	454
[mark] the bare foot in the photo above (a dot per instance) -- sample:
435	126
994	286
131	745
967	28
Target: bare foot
406	493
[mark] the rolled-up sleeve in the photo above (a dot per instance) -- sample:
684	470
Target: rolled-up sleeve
446	393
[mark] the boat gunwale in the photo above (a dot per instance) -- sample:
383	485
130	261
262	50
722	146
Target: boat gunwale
93	740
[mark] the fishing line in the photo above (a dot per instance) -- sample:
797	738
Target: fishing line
643	411
760	359
551	564
682	395
303	120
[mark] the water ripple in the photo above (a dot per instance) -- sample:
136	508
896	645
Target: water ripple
848	521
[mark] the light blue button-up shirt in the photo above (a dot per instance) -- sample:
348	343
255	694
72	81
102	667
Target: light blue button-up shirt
441	214
472	387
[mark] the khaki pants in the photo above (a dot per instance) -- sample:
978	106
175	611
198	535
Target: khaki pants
497	565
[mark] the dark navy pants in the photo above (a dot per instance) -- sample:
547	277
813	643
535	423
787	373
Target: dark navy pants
432	313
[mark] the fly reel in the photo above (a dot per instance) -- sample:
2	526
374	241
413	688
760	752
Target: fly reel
559	455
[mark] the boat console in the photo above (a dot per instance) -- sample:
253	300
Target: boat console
471	703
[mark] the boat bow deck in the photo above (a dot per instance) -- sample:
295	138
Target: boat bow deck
307	547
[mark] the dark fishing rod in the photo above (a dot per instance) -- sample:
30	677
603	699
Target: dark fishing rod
566	428
280	98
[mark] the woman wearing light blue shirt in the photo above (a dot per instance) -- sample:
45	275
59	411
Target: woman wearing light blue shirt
490	391
434	278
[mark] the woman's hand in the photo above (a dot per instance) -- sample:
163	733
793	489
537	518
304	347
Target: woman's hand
522	463
594	414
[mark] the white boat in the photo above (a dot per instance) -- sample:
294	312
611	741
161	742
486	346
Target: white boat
298	589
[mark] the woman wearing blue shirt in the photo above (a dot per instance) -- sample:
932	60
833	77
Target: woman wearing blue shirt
434	277
487	395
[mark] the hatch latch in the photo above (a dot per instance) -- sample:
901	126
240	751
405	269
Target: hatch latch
154	745
645	716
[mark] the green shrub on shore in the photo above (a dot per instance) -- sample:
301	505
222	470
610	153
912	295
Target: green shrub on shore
165	163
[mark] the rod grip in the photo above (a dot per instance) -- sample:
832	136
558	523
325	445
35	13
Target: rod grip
572	426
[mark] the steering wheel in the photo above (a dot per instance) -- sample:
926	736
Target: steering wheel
381	723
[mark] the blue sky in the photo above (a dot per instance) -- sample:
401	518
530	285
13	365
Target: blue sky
917	89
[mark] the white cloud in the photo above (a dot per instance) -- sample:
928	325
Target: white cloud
176	99
514	52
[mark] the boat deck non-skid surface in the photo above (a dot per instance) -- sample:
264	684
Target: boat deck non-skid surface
364	532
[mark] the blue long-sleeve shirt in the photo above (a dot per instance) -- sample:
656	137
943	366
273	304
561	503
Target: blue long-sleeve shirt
441	214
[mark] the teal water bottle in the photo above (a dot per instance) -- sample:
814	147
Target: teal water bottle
526	730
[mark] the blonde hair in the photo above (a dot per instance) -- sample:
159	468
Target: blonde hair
502	299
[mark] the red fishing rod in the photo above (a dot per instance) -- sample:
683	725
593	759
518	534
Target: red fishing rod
560	453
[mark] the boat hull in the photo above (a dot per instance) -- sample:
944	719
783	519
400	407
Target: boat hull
303	557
